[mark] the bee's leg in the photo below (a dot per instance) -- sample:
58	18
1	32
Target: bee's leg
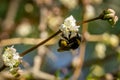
70	34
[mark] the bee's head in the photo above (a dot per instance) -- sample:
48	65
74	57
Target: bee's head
71	42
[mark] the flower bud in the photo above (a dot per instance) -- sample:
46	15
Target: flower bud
110	16
109	11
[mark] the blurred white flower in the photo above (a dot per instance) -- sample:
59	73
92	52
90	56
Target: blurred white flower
90	12
29	7
114	40
24	29
106	38
76	61
11	58
100	50
44	34
70	4
97	70
109	76
69	26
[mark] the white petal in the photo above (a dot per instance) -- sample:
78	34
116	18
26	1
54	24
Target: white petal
69	26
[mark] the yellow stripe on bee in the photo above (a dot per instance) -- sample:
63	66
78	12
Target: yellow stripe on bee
64	43
78	41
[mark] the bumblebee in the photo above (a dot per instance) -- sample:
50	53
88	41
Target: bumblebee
66	44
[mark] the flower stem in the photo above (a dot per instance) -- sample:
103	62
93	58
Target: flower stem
96	18
41	43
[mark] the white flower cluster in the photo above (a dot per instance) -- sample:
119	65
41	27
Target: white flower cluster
69	26
11	58
110	16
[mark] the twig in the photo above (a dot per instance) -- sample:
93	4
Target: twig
44	41
93	38
93	19
78	68
30	41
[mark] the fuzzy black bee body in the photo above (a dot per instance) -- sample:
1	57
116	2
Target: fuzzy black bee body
66	44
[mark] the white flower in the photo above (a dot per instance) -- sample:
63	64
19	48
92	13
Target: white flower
110	16
100	49
69	26
11	58
24	29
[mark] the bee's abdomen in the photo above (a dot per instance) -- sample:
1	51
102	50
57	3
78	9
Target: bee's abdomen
74	43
